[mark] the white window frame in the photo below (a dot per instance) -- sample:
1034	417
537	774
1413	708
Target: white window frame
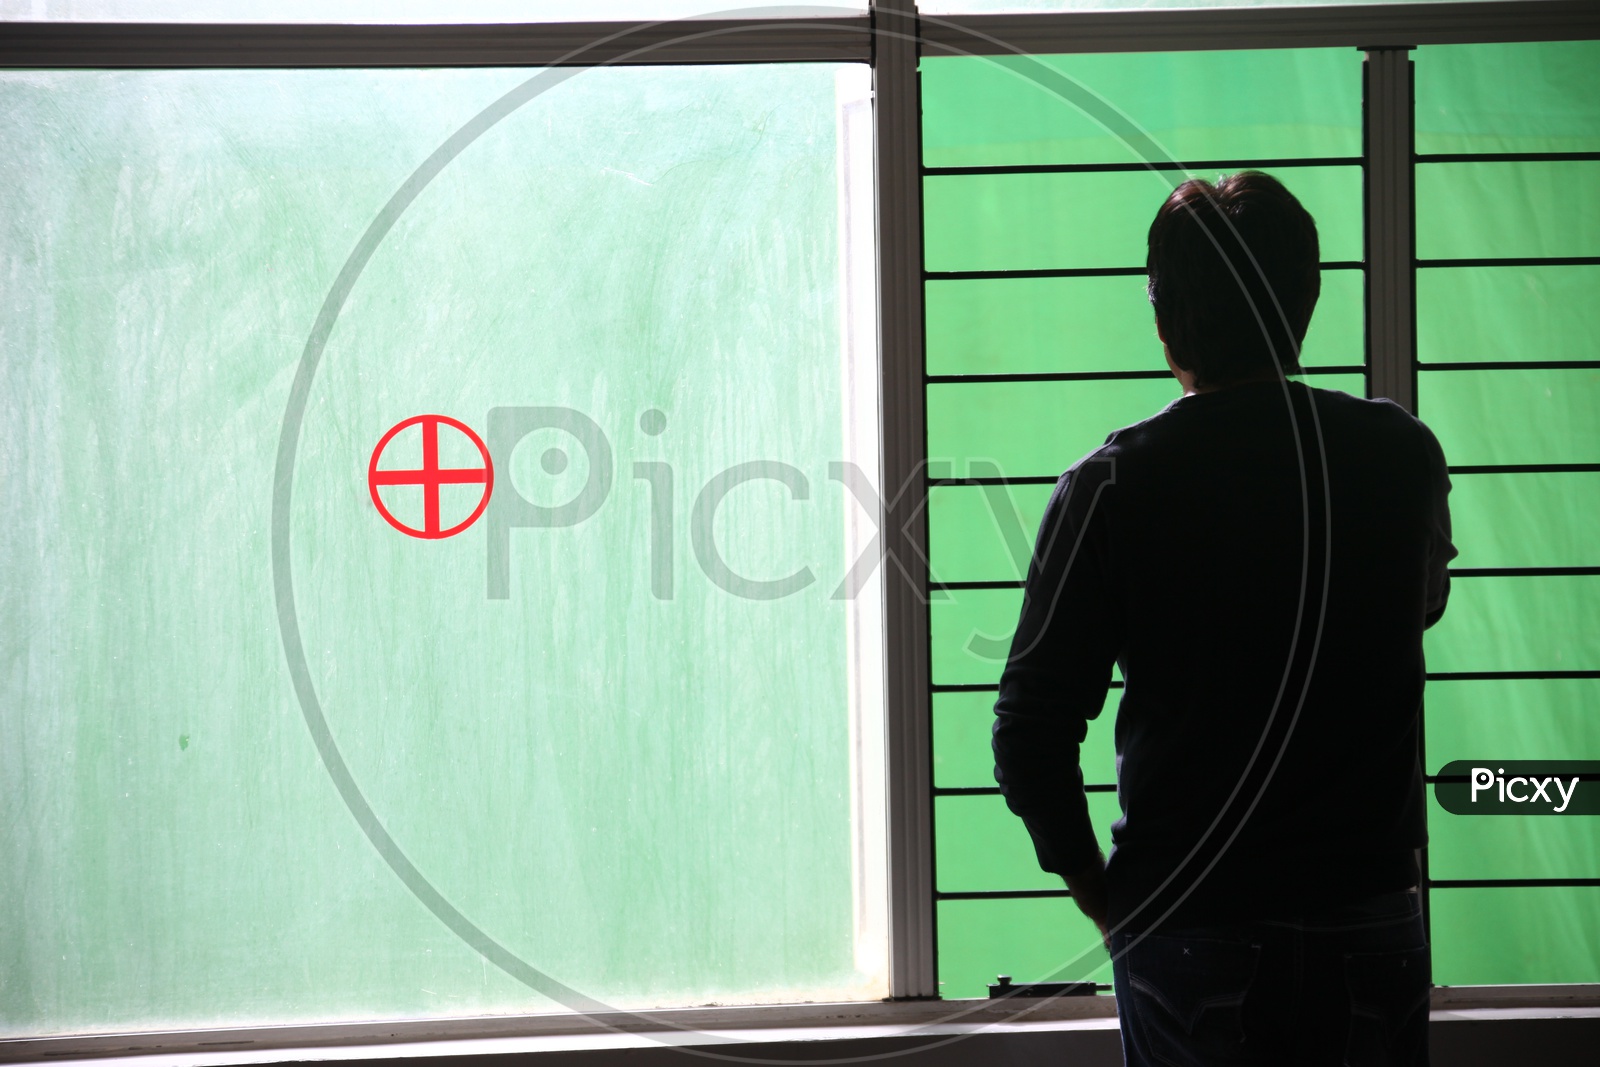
891	37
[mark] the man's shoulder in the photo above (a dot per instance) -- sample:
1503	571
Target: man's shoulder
1378	421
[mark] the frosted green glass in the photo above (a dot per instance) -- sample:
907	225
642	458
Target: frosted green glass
1513	416
1050	221
1508	209
963	758
1512	719
981	847
1090	325
1511	846
361	11
984	533
1470	314
1032	939
1526	520
1523	97
1037	428
621	789
1518	623
1510	935
1267	104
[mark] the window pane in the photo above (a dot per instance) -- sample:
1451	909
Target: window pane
1040	325
983	848
1518	623
970	634
1510	846
1525	97
1088	325
1508	209
633	241
956	7
1268	104
1036	428
1033	940
1095	220
984	533
1468	314
962	758
1513	416
1506	934
1512	719
1526	520
366	11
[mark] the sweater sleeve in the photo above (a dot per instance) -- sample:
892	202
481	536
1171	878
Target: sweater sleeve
1058	671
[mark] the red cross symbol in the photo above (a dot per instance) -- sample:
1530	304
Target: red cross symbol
431	476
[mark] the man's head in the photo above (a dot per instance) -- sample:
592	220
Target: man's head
1229	311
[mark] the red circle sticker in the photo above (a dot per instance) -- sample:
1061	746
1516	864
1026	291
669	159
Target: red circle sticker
431	476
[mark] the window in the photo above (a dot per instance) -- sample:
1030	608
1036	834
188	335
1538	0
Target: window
664	727
1508	249
609	745
1040	342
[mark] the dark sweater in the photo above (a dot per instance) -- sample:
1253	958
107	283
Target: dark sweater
1262	581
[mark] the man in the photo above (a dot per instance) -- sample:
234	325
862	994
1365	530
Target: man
1259	559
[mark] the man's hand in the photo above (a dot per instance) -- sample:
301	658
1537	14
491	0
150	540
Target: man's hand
1088	888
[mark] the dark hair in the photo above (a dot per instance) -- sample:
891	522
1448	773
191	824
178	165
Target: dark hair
1223	316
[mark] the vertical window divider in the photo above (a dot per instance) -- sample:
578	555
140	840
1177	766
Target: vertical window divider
897	137
1388	129
1390	225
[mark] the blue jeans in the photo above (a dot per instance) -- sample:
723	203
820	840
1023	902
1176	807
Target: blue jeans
1341	986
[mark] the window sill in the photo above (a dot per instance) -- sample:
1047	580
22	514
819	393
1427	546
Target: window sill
899	1022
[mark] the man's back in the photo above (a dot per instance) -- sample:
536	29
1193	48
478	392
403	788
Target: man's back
1260	559
1271	687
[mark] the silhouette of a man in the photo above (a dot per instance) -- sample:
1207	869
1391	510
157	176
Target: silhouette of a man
1259	559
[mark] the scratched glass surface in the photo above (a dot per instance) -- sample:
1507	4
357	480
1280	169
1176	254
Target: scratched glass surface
624	790
403	11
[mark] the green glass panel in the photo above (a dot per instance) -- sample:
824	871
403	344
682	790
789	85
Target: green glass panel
1512	719
1470	314
1269	104
970	634
962	7
1510	846
1338	333
963	759
1089	325
1051	221
1526	520
1037	428
1524	97
984	533
621	789
1033	940
1513	416
1505	935
1040	325
1507	209
358	11
983	848
1354	384
1519	623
